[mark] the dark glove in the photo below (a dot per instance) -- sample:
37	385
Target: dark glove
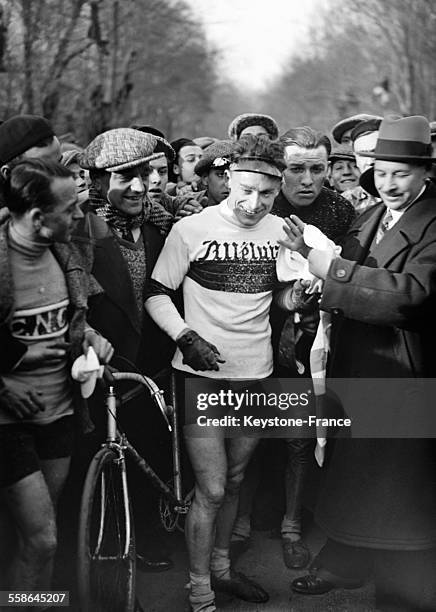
197	352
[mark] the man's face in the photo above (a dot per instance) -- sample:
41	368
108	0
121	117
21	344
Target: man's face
398	183
217	185
80	176
346	137
306	170
158	178
51	151
252	196
126	189
188	157
344	174
62	220
254	130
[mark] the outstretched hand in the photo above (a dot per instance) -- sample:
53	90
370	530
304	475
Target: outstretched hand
294	230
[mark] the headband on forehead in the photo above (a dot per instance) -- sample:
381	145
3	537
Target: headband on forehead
258	165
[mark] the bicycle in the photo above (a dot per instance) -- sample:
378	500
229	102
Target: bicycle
106	538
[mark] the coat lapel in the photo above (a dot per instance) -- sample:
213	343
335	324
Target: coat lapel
407	231
111	271
361	235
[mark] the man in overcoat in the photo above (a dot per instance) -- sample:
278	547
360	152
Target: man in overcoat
378	507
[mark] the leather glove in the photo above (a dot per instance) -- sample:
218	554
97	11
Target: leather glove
197	352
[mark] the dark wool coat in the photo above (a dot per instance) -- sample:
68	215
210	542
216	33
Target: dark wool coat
382	493
114	313
76	263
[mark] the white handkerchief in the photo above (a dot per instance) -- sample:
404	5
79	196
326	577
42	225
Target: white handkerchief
291	265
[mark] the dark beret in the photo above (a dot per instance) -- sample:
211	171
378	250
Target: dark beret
20	133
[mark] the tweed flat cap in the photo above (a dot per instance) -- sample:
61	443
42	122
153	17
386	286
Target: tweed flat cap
342	152
148	129
163	146
216	155
245	120
20	133
119	149
349	123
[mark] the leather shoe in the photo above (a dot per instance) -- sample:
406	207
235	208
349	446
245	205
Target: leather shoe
296	555
153	564
323	581
240	586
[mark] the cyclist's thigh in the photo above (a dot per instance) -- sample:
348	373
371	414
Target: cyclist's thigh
208	459
239	452
30	505
23	486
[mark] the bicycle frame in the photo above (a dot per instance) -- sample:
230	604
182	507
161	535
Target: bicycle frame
120	443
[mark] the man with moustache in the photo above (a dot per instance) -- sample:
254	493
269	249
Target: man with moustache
378	506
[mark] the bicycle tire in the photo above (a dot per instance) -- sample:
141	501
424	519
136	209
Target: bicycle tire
106	546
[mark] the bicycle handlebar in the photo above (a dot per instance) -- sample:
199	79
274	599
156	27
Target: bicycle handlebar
111	374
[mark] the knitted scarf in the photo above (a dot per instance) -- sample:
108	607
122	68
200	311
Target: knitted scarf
152	212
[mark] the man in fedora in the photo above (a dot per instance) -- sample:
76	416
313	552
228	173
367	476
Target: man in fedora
378	505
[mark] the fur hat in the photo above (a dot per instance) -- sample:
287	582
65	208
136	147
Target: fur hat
119	149
349	123
216	155
241	122
20	133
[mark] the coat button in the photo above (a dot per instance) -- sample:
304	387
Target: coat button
340	273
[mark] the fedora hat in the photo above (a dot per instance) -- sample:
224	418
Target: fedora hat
406	139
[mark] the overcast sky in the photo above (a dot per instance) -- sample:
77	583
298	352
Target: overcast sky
255	37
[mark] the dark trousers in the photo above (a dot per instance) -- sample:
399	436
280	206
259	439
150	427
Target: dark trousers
405	581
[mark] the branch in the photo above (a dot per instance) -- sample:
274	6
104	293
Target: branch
58	64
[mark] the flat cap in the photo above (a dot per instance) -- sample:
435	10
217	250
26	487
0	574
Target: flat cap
342	152
119	149
205	141
148	129
349	123
216	155
245	120
20	133
365	127
163	146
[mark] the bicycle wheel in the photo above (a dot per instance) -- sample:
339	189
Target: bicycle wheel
106	547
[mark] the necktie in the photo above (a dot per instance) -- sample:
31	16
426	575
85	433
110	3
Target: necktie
384	225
